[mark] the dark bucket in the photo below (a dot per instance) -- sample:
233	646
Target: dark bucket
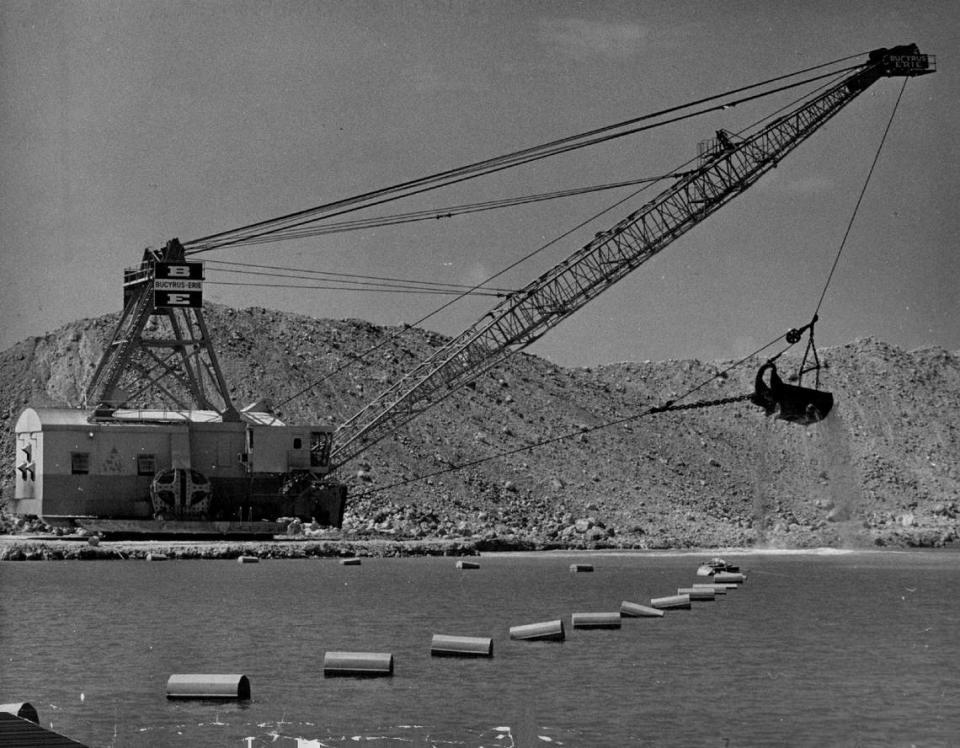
789	402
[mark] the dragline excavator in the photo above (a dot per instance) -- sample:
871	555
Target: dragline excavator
201	465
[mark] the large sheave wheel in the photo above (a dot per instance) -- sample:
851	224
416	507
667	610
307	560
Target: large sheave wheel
178	493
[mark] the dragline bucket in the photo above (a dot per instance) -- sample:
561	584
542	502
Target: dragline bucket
787	401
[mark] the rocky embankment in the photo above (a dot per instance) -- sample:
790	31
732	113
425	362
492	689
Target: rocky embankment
51	548
404	532
533	455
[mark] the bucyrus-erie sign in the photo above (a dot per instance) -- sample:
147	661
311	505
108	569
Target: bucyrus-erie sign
178	284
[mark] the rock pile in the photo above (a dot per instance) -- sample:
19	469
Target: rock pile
565	457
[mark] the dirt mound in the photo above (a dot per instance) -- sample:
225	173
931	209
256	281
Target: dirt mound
880	470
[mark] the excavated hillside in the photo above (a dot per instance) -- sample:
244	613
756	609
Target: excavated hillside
881	470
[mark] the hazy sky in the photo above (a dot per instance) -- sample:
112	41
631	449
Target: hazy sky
127	123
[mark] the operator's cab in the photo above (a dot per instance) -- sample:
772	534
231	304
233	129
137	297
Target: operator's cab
162	464
282	449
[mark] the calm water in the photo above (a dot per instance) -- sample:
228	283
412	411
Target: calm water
858	649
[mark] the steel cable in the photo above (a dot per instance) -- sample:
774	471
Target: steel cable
856	207
529	255
452	176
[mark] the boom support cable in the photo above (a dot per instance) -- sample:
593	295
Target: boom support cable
543	247
487	166
302	232
453	301
371	288
351	281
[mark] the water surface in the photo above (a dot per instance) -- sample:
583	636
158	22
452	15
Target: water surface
815	649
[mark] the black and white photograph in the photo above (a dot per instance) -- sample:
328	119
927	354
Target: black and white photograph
479	373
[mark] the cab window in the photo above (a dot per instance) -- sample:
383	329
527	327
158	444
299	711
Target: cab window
79	463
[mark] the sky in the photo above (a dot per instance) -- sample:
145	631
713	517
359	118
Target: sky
130	122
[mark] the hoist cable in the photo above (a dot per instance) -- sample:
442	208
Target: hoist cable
863	191
497	163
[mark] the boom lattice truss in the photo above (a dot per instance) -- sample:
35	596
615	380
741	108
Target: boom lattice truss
725	170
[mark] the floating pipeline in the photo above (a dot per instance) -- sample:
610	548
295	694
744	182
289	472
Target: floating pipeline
357	664
718	589
444	645
234	686
208	686
540	631
697	593
671	602
636	610
601	620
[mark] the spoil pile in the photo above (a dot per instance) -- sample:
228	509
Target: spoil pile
880	471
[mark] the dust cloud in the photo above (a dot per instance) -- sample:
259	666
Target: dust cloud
763	486
823	475
839	479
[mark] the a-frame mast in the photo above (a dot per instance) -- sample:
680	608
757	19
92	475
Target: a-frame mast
161	353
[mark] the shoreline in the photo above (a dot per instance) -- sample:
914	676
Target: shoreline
40	548
60	548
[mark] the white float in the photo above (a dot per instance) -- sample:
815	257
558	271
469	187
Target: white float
208	686
545	630
697	593
461	646
636	610
604	620
357	663
671	602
